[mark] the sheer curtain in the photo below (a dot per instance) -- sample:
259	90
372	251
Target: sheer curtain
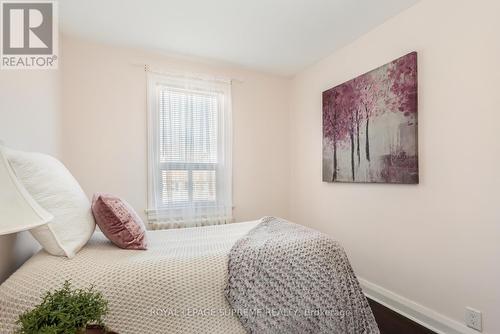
190	139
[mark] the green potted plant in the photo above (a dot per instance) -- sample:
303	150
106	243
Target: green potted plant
66	311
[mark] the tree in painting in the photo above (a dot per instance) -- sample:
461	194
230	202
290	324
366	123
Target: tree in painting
370	126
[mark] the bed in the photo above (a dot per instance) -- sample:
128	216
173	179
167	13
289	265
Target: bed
265	277
179	285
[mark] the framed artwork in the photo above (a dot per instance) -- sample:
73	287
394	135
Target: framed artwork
370	126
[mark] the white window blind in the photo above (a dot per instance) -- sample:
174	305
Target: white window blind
189	152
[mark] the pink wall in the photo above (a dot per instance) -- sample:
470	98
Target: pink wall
105	132
436	244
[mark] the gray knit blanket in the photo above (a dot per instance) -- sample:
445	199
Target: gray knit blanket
286	278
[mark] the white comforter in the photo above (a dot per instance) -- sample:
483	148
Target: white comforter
176	286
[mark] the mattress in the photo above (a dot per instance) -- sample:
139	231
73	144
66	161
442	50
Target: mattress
176	286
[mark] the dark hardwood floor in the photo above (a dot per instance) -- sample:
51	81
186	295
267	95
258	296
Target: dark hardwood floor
390	322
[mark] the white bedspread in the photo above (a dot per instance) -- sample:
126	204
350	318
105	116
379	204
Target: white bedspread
176	286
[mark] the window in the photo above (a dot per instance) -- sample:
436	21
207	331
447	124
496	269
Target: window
189	151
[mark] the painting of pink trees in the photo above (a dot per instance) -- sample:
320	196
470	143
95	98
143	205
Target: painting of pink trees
370	126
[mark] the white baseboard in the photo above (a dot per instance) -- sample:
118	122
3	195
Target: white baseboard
414	311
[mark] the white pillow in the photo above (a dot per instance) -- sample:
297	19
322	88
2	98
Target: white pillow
57	191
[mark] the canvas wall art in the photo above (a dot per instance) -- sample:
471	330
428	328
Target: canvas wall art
370	126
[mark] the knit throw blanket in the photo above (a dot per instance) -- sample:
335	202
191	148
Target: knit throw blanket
286	278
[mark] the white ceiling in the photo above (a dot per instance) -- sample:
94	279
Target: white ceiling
278	36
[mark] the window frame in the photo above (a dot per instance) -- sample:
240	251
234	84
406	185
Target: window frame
189	168
156	211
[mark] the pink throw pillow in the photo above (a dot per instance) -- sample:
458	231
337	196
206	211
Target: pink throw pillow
119	222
